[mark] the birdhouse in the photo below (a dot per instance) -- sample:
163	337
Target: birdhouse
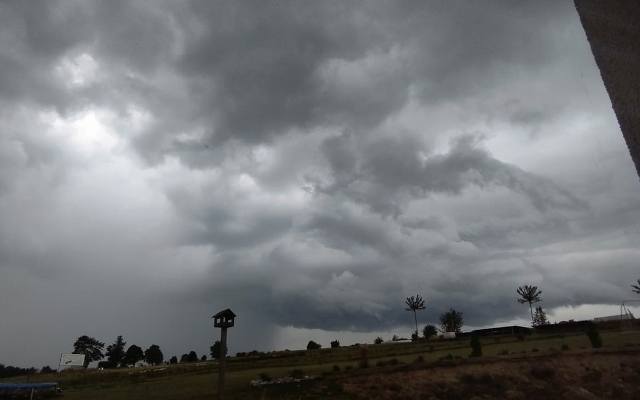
224	319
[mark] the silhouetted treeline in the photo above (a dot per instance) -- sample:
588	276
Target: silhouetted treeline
7	371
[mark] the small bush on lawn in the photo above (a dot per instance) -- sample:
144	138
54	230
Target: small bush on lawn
594	337
476	347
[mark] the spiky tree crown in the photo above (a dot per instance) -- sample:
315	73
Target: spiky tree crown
415	303
528	294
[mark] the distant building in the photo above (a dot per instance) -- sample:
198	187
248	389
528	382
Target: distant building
498	331
618	317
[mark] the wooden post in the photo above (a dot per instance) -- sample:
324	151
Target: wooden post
222	361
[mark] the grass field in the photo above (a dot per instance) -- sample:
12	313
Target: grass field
333	367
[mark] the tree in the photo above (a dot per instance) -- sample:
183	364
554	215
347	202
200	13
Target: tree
132	356
173	360
476	346
184	358
90	347
215	350
153	355
192	356
378	340
415	304
203	358
540	317
529	294
115	352
429	331
313	345
335	344
451	321
46	370
636	288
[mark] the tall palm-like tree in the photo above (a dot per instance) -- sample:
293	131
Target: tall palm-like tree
415	303
636	288
529	294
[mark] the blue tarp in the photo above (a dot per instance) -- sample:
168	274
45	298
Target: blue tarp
18	387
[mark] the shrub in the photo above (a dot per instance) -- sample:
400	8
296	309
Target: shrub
476	347
378	340
429	331
335	344
313	345
594	337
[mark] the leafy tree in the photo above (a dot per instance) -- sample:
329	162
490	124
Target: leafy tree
529	294
115	352
90	347
203	358
476	346
215	350
132	356
192	356
335	344
173	360
636	288
429	331
378	340
153	355
46	370
184	358
451	321
415	303
540	317
313	345
414	337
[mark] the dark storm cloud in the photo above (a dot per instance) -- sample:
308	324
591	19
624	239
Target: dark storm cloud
308	164
392	167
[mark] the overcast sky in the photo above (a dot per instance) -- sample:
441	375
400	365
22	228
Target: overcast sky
308	164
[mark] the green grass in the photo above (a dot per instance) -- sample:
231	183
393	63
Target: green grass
198	381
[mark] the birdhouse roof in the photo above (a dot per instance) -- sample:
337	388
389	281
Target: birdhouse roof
225	313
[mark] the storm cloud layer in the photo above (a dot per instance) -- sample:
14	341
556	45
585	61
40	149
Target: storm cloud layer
308	164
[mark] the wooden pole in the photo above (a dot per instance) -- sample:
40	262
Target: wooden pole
222	361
